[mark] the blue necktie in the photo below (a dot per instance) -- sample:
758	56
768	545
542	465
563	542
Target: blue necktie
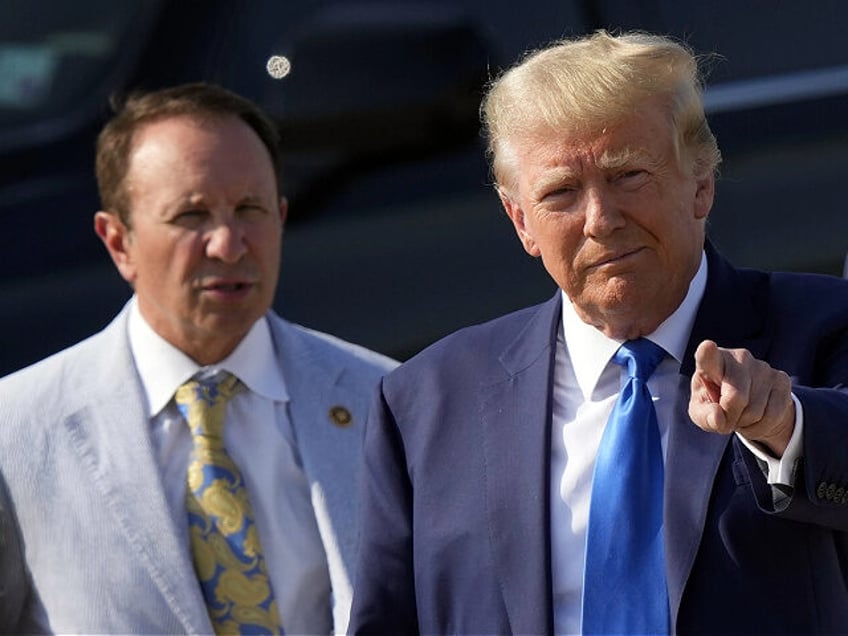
224	540
624	585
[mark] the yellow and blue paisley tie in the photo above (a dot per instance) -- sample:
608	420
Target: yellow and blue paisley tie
224	538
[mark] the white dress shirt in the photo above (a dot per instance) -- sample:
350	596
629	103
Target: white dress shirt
586	386
258	435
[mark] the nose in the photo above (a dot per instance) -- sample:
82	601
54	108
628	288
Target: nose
226	242
602	214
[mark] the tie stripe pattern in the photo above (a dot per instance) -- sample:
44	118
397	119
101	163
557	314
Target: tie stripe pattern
222	530
624	589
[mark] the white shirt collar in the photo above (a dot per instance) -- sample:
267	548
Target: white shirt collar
590	350
163	368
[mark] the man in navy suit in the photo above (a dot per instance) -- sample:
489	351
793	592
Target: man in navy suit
480	451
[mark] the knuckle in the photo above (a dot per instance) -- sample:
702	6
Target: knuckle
743	356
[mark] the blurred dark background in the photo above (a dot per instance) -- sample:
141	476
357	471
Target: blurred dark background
395	236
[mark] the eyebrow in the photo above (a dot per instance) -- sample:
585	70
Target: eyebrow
182	202
609	160
553	178
616	159
199	199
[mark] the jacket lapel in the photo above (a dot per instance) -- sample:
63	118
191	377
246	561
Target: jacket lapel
729	314
327	412
692	461
329	399
516	421
111	437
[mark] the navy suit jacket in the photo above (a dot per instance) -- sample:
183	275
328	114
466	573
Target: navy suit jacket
455	531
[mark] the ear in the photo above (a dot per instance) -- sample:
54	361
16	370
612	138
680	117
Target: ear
116	237
704	195
516	215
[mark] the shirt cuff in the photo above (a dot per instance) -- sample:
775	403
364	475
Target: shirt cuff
782	471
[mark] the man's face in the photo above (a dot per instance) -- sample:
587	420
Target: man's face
203	251
617	220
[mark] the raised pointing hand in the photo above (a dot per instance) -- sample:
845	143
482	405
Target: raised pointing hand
732	391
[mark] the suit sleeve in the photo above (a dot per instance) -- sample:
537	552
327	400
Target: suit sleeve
820	494
808	326
821	482
384	590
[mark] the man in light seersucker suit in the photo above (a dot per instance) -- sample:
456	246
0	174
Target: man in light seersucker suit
93	448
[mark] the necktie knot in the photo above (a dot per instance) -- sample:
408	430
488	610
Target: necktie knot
641	357
202	402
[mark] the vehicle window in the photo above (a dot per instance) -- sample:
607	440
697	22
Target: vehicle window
52	53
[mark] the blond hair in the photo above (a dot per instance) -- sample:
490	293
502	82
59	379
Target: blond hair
586	84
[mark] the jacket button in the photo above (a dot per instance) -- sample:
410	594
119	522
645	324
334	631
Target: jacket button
821	491
831	491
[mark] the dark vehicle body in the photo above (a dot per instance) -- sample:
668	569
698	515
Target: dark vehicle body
395	236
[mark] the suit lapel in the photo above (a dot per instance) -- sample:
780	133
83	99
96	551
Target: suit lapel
327	407
691	464
516	417
111	437
730	315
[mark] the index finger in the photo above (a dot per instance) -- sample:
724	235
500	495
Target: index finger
709	362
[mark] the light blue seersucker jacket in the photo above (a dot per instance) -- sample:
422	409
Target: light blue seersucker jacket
87	544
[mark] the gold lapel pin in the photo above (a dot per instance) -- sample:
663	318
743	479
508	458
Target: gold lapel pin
340	416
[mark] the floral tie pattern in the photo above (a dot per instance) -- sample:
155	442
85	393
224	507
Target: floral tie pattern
222	530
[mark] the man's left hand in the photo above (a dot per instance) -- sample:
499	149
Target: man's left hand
732	391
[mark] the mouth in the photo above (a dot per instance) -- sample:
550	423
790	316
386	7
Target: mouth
227	288
616	258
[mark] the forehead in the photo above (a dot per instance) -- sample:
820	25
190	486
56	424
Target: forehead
187	133
647	134
177	158
183	143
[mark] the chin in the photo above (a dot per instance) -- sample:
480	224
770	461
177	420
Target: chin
621	312
231	321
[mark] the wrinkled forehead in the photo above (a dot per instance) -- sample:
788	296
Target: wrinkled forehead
571	152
